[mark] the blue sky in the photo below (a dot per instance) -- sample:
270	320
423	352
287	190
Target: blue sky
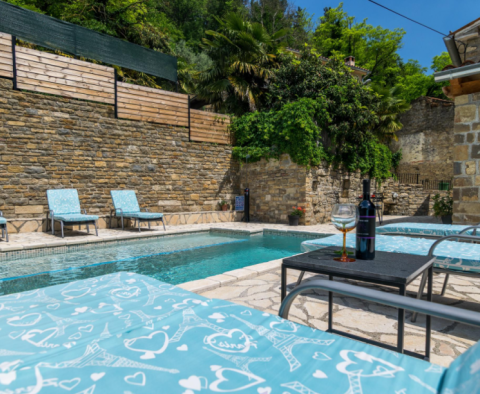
419	43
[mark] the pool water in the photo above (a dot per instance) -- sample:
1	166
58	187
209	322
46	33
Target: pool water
174	260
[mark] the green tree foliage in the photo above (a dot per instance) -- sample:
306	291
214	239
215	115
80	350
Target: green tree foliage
350	104
440	62
293	129
414	81
390	106
194	17
175	27
315	113
281	15
376	49
243	55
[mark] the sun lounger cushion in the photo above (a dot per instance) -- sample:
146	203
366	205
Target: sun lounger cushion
143	215
463	375
460	256
76	217
124	332
3	220
432	229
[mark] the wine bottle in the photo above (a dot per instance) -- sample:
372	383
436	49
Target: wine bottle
365	242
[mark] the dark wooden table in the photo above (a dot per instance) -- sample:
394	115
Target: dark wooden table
390	269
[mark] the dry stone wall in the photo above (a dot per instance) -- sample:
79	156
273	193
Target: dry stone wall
49	142
410	200
327	187
277	185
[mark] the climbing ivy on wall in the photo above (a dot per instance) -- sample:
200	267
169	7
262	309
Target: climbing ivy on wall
293	129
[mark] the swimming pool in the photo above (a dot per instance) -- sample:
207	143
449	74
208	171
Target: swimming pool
173	259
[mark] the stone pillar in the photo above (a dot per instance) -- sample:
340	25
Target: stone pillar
466	190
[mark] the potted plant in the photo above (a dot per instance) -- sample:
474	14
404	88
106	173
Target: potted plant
443	207
223	205
295	215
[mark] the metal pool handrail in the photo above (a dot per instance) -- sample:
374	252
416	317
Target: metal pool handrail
455	236
474	228
389	299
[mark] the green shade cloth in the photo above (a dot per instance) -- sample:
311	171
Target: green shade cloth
76	40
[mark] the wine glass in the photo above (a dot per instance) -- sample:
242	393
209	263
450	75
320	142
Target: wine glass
344	218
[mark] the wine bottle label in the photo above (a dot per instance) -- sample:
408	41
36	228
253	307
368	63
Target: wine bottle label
366	227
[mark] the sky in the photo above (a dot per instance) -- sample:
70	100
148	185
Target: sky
419	43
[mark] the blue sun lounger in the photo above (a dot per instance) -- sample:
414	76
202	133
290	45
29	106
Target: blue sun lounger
124	332
3	225
64	207
426	229
126	206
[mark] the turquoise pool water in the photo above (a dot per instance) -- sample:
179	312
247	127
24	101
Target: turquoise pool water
174	260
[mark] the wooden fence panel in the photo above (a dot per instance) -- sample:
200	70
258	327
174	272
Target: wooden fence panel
151	105
209	127
6	60
62	76
49	73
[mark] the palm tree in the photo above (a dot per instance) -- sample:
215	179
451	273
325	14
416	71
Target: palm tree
243	56
390	106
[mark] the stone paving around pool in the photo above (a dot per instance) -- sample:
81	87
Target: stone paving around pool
25	241
259	287
35	240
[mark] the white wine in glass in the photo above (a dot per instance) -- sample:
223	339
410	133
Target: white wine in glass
344	218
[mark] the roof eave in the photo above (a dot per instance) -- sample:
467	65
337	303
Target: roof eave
466	26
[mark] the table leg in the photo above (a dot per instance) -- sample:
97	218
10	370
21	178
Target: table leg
330	306
401	322
428	317
284	283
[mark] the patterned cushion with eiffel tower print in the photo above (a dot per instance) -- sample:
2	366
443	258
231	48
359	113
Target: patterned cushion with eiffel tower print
128	333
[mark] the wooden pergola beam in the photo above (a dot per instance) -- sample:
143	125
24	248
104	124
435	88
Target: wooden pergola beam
458	87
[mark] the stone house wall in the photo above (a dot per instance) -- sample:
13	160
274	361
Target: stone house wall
466	192
51	142
426	139
473	44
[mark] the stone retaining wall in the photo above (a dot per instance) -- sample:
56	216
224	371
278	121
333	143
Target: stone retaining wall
412	200
277	185
50	142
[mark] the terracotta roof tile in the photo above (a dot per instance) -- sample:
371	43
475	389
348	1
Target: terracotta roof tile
451	66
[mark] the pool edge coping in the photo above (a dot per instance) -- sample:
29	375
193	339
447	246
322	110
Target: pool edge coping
228	277
37	250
